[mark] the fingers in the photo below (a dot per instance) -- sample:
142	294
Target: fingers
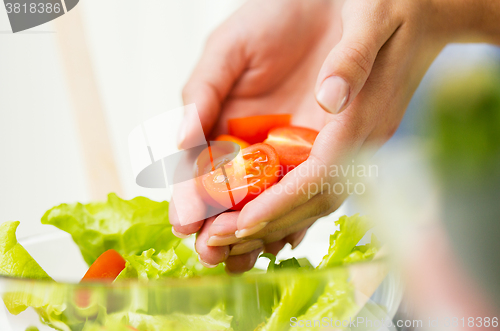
296	238
209	256
242	253
181	231
221	64
245	262
292	226
186	210
275	202
246	246
275	247
222	231
335	143
241	263
300	217
293	239
350	62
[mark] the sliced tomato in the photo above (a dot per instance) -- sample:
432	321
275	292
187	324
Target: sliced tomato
220	152
107	266
202	166
254	129
242	179
225	137
293	145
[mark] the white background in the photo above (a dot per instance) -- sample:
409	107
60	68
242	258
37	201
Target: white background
142	52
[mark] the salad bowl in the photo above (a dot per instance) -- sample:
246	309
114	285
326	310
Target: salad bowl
359	291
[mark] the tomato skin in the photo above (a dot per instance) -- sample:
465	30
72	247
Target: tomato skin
293	145
254	129
202	166
106	268
247	176
210	159
225	137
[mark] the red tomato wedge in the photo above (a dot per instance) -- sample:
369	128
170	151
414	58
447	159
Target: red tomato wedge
293	145
203	165
106	267
221	152
242	179
225	137
254	129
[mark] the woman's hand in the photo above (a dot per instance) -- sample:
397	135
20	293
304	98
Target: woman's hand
347	68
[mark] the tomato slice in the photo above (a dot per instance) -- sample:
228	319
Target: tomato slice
242	179
225	137
220	152
202	166
107	266
254	129
293	145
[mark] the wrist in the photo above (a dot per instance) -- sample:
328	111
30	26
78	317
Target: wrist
468	20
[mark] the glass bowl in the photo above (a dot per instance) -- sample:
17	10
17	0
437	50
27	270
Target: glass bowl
364	292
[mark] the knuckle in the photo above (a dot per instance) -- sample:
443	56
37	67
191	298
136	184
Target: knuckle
359	54
316	161
324	204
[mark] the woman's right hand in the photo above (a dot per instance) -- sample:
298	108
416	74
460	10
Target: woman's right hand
348	68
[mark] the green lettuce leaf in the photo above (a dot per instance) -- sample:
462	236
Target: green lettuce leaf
217	319
335	299
286	264
15	261
343	241
127	226
294	293
336	303
149	265
190	259
363	252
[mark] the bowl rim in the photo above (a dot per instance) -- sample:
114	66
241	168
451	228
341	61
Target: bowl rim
260	276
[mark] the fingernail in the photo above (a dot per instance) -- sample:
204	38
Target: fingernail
297	240
333	94
246	247
222	240
180	235
205	264
252	230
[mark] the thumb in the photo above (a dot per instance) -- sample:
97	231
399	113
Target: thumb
350	62
219	67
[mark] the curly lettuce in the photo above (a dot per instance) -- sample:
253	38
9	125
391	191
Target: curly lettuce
217	319
294	293
335	299
127	226
15	261
151	266
343	241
